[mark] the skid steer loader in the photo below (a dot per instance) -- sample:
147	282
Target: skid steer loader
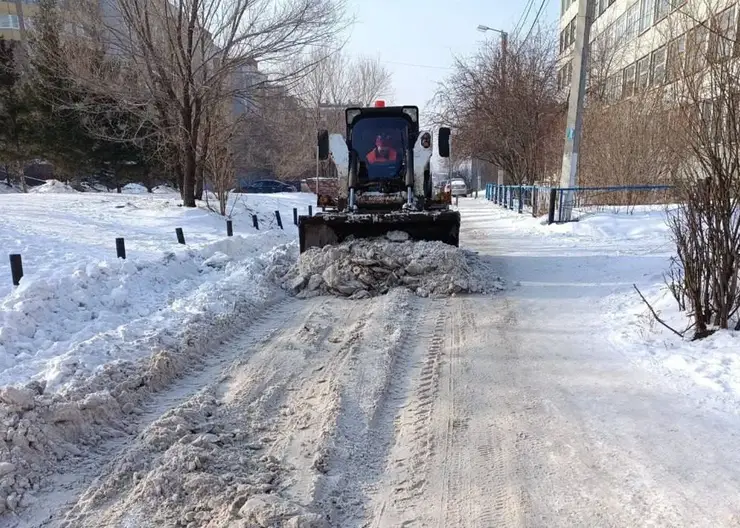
383	181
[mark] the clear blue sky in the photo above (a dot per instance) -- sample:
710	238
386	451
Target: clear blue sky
431	33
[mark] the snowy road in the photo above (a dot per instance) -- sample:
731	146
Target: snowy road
506	410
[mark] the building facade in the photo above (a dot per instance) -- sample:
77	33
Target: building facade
639	44
11	14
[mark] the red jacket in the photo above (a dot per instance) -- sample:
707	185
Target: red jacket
374	156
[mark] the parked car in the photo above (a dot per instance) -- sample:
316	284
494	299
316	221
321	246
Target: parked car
457	187
266	187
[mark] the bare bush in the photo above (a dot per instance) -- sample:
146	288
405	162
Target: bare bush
626	144
706	225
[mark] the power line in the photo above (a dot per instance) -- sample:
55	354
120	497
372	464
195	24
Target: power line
523	18
534	22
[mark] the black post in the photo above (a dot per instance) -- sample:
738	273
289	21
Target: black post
511	198
279	220
535	205
521	199
120	248
295	215
180	235
310	210
551	210
16	269
229	228
255	222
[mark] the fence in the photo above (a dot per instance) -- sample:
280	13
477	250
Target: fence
540	200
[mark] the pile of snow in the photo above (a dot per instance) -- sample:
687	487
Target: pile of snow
368	267
8	189
53	187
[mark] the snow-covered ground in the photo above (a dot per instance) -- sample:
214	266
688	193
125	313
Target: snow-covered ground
551	403
614	251
79	307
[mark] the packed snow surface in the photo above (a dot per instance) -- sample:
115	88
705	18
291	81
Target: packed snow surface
367	267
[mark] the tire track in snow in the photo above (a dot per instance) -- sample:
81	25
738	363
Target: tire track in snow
407	469
64	491
374	387
479	480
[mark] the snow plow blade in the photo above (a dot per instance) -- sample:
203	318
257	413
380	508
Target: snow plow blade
333	228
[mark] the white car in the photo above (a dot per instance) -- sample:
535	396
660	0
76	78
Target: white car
457	188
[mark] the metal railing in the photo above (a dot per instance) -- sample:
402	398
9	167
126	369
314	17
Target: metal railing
539	200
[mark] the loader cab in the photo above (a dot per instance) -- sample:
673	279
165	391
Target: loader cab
380	145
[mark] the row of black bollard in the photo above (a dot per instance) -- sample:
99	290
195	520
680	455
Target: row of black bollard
16	262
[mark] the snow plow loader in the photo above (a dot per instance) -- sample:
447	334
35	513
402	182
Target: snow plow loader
383	181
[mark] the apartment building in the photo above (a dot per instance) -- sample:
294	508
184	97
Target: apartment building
11	14
639	44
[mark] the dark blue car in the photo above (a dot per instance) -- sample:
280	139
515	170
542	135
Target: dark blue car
265	187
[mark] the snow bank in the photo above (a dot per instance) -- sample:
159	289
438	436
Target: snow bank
61	328
78	307
53	187
712	362
368	267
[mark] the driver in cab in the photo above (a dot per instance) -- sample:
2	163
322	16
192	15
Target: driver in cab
383	152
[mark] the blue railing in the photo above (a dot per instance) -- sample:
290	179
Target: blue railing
539	200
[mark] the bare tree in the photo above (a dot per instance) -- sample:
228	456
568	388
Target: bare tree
504	108
170	62
338	81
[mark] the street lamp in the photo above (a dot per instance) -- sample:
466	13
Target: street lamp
504	36
504	46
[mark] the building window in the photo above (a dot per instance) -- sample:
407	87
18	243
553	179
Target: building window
643	74
619	30
676	58
628	85
9	22
724	33
697	46
614	88
632	19
568	35
647	8
659	64
662	8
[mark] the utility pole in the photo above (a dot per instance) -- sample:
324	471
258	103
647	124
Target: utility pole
575	106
